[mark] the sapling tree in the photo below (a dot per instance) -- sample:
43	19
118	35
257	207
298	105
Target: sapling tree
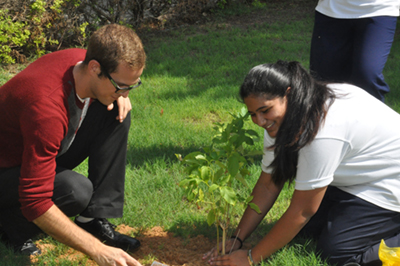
210	173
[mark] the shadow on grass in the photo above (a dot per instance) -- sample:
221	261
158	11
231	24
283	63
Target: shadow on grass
139	156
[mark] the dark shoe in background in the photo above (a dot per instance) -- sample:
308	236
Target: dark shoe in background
104	231
28	248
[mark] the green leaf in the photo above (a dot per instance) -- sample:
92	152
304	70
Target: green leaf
191	155
192	161
198	180
218	140
214	155
219	173
239	123
200	157
224	179
184	182
221	165
234	139
242	161
228	194
210	218
255	153
252	132
255	207
243	112
205	173
189	194
207	149
244	171
250	198
192	169
233	164
201	195
213	187
241	179
249	141
179	156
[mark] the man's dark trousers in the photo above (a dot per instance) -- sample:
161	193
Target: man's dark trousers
103	140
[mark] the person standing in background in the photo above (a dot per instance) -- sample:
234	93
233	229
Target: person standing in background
351	42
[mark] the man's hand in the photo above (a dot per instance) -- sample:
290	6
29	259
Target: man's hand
110	256
124	107
60	227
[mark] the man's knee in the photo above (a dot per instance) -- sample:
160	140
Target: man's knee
72	192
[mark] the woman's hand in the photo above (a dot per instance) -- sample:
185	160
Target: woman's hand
237	258
213	253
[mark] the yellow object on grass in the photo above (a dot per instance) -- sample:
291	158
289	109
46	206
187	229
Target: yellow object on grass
389	256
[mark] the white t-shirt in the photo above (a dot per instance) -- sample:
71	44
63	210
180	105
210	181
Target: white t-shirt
350	9
357	149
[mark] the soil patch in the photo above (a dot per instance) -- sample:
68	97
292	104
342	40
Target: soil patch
156	245
170	250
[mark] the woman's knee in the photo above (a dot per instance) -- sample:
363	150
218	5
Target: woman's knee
72	192
335	252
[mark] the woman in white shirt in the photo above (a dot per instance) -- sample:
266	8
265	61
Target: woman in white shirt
341	148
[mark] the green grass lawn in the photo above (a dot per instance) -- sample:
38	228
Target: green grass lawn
191	81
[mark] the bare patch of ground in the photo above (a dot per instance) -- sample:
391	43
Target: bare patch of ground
157	245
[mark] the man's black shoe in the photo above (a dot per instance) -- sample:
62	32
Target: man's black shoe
104	230
27	248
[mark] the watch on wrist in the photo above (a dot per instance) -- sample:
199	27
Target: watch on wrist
250	258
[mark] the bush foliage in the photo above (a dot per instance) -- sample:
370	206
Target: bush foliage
35	27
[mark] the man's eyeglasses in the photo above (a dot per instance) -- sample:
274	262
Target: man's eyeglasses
120	90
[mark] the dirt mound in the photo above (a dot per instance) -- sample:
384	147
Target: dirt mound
157	245
170	250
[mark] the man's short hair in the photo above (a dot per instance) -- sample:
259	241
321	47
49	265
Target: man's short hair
113	44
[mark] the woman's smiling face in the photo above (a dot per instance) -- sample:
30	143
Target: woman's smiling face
268	114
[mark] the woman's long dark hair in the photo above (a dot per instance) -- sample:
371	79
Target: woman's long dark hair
306	110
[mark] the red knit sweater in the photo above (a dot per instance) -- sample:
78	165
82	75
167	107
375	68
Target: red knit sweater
34	118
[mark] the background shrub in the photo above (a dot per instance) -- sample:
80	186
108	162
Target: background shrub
35	27
12	35
43	26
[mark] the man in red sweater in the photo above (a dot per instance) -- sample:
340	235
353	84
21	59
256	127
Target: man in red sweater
63	108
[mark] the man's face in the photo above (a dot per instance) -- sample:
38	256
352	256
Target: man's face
124	76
